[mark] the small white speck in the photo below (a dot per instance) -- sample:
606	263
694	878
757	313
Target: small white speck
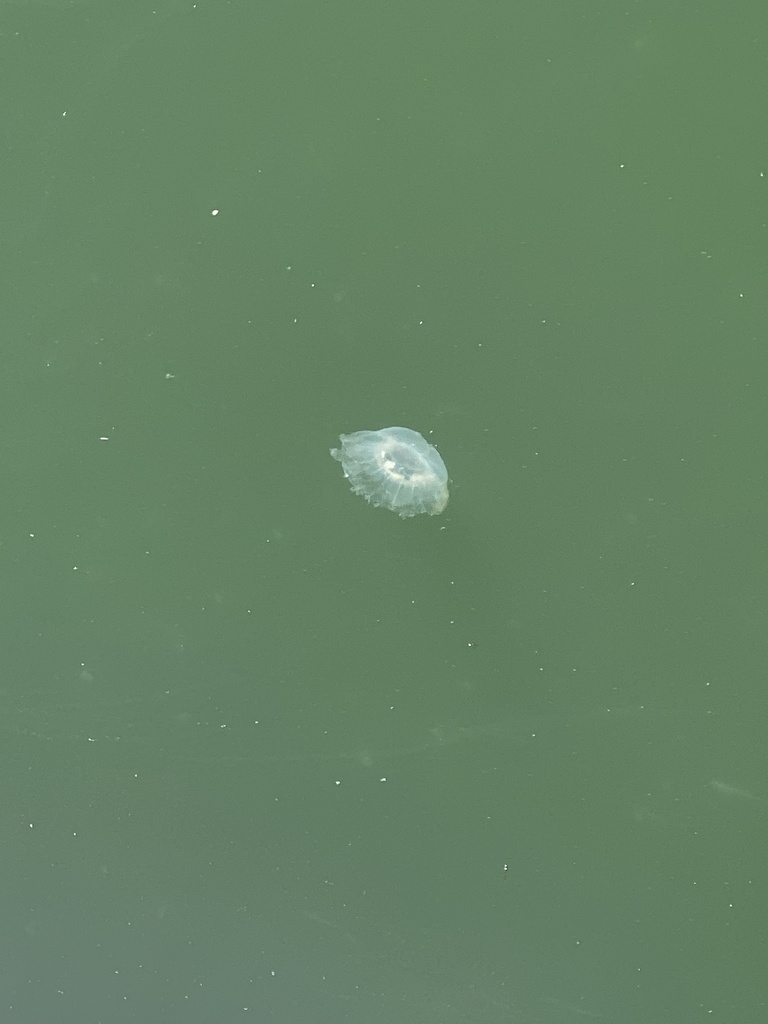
214	213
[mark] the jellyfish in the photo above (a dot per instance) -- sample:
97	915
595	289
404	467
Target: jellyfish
394	468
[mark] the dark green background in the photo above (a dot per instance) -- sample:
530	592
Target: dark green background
266	750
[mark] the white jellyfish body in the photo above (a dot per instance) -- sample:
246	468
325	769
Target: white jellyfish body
394	468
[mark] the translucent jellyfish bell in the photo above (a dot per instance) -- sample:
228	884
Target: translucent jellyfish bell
394	468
